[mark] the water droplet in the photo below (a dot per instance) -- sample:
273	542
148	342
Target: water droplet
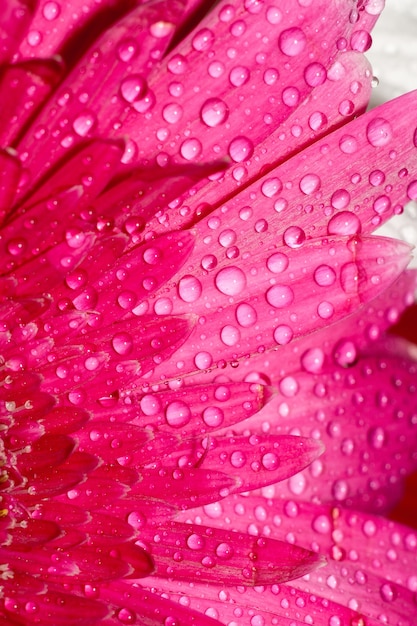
177	414
291	96
324	275
381	205
238	459
310	183
122	343
283	334
376	178
203	39
280	296
216	69
203	360
348	144
84	123
412	190
315	74
195	542
340	199
239	76
51	10
270	461
161	29
133	88
317	120
271	76
361	41
273	15
345	353
224	551
325	310
177	64
189	288
213	416
312	360
246	315
292	41
277	262
240	149
191	148
289	387
150	405
230	281
230	335
344	223
214	112
172	112
379	132
294	237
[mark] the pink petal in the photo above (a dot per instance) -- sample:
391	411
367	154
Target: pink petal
216	556
127	52
196	410
267	304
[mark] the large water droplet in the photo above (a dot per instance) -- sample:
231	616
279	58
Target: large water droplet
214	112
231	281
292	41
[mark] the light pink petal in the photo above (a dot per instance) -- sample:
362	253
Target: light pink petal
216	556
332	187
343	95
265	303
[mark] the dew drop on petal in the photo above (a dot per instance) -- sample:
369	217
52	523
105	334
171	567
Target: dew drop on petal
195	542
277	262
315	74
310	183
312	360
324	276
177	414
239	76
214	112
133	88
246	315
279	296
240	149
51	10
292	41
122	343
294	237
379	132
344	223
270	461
191	148
230	281
84	123
283	334
189	288
229	335
213	416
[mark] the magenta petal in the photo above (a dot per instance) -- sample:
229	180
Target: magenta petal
10	172
127	52
15	16
266	304
35	77
68	609
215	556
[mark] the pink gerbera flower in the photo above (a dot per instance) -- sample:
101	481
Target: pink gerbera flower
194	309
